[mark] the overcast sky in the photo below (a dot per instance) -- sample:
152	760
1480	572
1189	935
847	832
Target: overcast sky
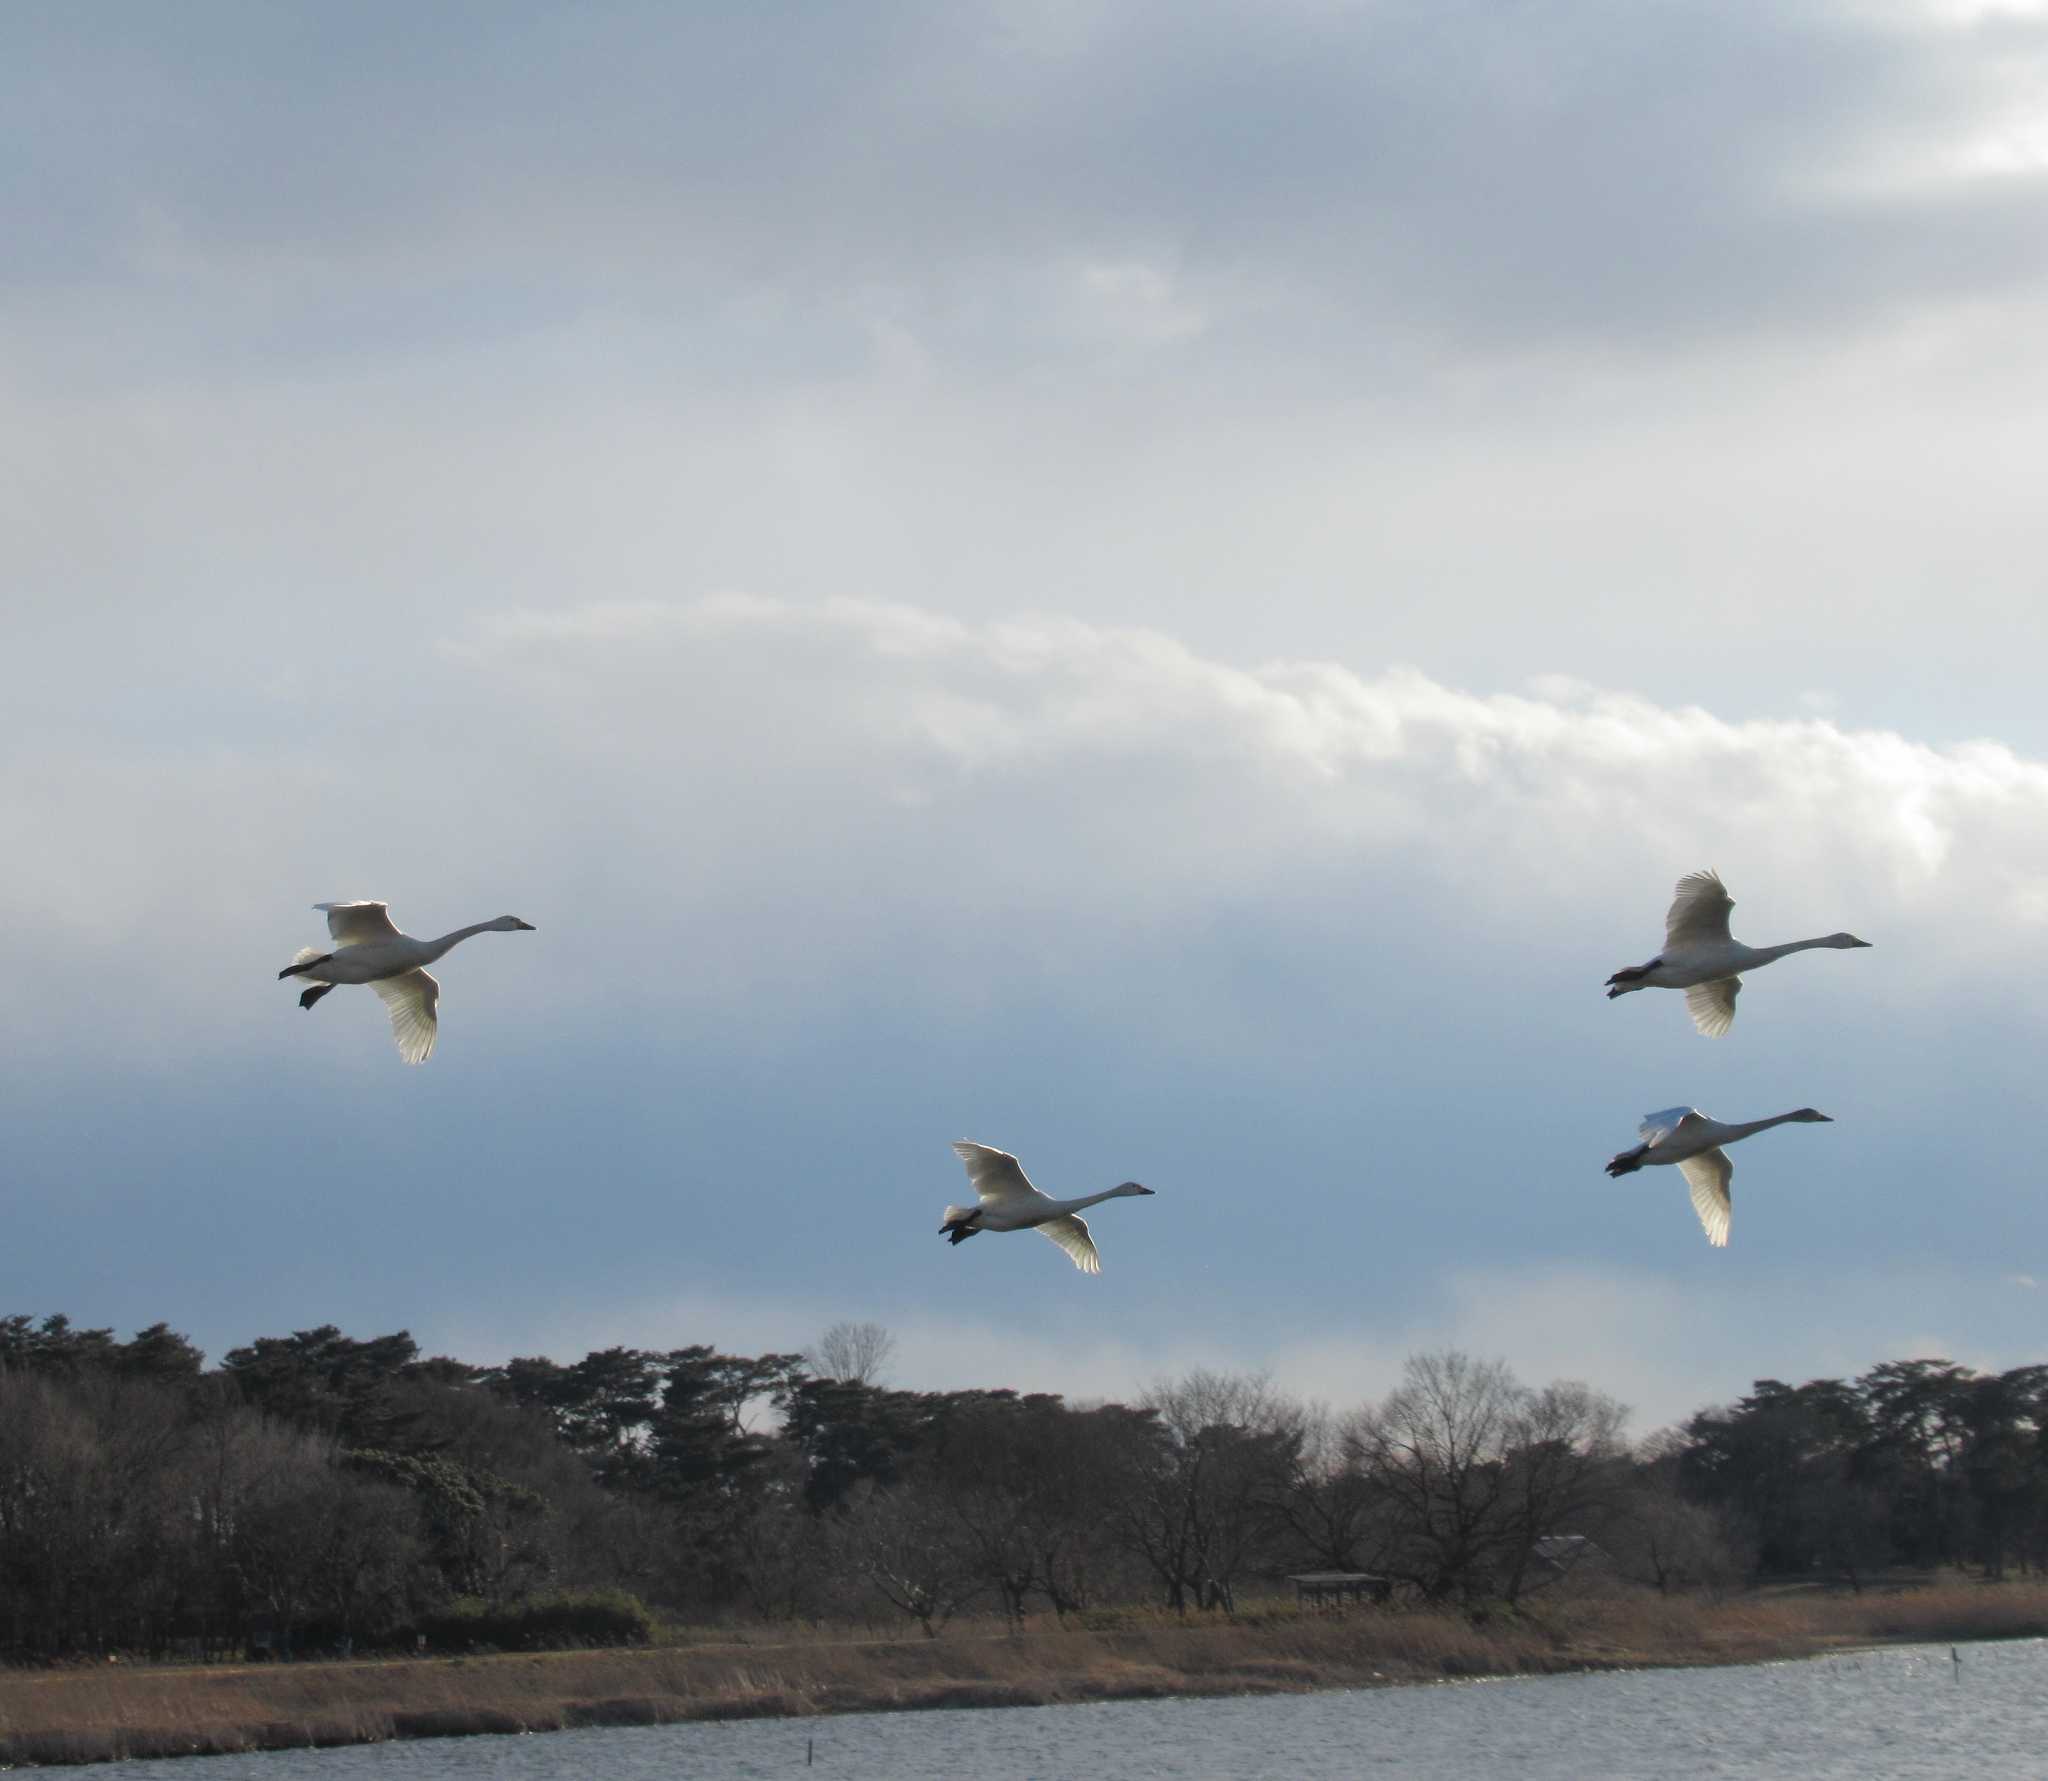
1163	586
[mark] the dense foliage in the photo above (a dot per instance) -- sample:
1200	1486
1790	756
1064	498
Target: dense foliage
315	1492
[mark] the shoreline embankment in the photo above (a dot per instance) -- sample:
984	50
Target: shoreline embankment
99	1713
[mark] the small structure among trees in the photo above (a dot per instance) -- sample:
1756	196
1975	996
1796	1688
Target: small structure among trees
1333	1591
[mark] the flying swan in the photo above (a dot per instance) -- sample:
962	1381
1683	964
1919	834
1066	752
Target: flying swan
1687	1137
1701	959
368	949
1010	1203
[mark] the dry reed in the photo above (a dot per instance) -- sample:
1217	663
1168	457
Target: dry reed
103	1712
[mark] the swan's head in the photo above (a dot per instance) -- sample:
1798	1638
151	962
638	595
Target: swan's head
511	924
1845	941
1812	1116
1129	1187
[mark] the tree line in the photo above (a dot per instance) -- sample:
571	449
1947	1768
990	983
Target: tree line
319	1492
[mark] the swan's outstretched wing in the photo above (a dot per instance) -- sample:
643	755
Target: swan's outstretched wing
1071	1234
411	998
1712	1005
1707	1175
1656	1127
1699	912
358	924
998	1179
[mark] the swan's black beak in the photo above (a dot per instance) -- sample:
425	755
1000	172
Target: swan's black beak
528	926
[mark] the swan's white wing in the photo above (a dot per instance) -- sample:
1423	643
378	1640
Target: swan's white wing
1699	913
1712	1005
1707	1175
358	924
1071	1234
997	1177
1656	1127
411	998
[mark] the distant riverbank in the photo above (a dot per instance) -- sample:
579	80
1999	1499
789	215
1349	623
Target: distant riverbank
105	1712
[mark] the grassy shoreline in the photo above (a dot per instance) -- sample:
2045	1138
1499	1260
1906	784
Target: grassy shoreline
105	1713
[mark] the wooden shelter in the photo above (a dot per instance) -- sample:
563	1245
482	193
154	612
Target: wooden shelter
1333	1590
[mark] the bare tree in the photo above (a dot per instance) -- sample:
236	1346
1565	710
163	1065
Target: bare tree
1477	1470
1660	1539
53	1487
1198	1501
1566	1473
909	1546
1334	1512
1434	1449
859	1352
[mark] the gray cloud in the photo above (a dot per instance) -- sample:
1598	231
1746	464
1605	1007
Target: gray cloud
1322	178
1506	340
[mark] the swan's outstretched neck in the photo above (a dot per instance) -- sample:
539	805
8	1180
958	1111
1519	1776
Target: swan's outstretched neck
1108	1193
433	949
1765	954
503	924
1749	1128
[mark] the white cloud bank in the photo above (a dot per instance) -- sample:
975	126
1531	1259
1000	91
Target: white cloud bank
1185	778
822	779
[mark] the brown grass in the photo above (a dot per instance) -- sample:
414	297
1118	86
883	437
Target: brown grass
105	1712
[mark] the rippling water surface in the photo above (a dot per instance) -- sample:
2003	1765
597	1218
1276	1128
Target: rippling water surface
1899	1712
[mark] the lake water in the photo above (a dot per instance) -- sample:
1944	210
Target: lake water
1899	1712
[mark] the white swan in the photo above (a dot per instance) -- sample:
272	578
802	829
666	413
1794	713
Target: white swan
1687	1137
1701	959
1010	1203
368	949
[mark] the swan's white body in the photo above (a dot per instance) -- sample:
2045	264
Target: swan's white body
1700	958
368	949
1008	1202
1687	1137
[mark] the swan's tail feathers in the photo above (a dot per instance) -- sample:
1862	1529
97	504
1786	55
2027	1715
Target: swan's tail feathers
314	994
306	955
959	1223
1628	1162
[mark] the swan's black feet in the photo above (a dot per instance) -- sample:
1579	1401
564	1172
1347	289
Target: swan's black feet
314	994
303	966
960	1233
